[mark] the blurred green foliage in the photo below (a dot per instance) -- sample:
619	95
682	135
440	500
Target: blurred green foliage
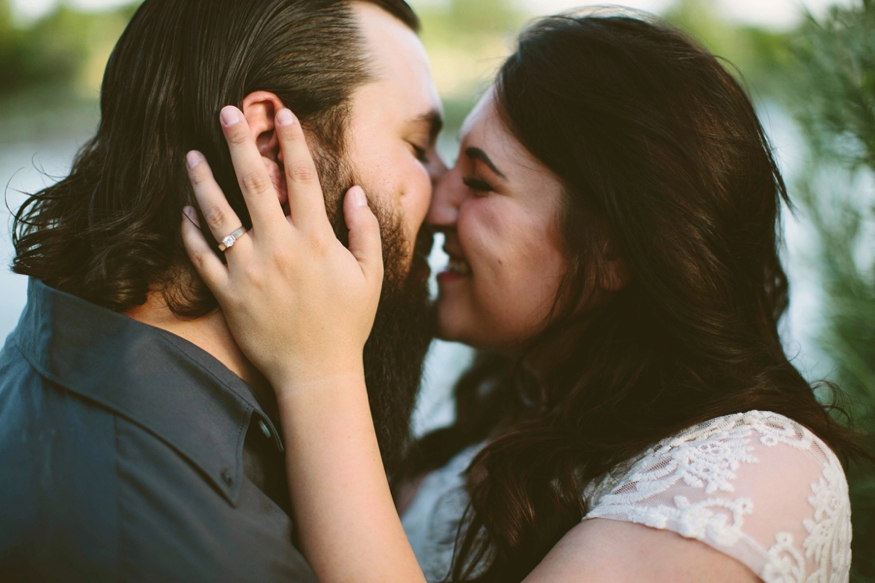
63	53
467	40
465	16
760	56
460	33
834	89
65	49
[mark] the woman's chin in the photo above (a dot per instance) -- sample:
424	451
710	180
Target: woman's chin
454	326
451	325
458	321
447	332
450	331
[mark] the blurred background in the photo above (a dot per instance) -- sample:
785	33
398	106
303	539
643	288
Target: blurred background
809	66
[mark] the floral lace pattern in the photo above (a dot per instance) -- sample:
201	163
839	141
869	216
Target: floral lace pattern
716	483
431	522
756	486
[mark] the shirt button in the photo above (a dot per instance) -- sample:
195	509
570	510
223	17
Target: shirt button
226	475
264	428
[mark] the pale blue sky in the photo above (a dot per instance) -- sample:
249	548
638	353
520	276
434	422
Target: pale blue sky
770	13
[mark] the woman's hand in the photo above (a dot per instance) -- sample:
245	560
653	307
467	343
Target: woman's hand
301	307
299	303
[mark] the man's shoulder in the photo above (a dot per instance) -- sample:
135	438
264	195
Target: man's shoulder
58	487
88	489
38	415
35	412
122	451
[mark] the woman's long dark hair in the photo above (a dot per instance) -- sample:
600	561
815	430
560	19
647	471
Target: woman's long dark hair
660	151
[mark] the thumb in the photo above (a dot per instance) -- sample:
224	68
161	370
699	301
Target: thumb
364	233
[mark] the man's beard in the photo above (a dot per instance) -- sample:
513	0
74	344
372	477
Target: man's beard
404	325
395	351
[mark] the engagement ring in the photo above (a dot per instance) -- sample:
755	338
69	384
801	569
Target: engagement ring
229	241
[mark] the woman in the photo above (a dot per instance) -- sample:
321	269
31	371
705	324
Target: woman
611	224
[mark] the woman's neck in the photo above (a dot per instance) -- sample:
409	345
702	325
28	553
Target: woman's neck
543	358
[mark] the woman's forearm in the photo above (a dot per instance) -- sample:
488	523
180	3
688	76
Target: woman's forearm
301	305
346	519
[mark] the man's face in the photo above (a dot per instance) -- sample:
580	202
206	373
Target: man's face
393	127
390	152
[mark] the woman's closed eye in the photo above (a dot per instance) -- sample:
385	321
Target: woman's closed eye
477	185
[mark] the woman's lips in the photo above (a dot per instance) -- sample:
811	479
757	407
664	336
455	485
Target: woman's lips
456	269
458	266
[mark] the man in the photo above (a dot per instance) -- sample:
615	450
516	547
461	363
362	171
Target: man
136	440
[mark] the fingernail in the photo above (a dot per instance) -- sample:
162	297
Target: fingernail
230	116
359	194
193	158
285	117
191	214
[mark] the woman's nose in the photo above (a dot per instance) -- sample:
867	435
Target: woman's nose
437	170
448	194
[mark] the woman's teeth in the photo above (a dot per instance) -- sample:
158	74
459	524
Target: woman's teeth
458	266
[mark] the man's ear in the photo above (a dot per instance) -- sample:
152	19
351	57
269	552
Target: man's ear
260	109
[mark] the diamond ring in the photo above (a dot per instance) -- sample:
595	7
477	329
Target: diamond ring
229	241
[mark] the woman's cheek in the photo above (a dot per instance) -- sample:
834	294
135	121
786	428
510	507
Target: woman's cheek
499	294
481	233
531	275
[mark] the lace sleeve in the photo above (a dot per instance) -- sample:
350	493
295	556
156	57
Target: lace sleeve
756	486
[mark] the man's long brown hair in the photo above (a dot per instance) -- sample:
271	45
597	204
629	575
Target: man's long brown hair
109	232
658	146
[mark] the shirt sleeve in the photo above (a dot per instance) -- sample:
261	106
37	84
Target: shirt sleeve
755	486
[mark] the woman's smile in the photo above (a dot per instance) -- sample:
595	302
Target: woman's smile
497	208
457	267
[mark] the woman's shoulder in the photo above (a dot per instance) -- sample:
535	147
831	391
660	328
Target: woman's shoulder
431	520
757	486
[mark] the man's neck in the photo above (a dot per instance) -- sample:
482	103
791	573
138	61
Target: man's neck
209	333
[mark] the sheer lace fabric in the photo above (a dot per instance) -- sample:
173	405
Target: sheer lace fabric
432	518
756	486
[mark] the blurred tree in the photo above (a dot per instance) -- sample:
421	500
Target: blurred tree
55	50
484	15
760	55
834	93
5	20
466	40
10	48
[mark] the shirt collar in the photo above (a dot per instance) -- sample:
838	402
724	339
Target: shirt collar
155	379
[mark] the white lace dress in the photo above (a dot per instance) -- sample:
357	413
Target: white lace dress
756	486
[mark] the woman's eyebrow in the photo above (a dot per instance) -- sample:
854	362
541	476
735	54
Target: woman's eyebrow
478	154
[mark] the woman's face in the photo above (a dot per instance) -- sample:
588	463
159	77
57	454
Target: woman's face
499	208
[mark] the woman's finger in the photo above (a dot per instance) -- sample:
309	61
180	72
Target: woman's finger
209	267
218	214
306	202
259	193
364	234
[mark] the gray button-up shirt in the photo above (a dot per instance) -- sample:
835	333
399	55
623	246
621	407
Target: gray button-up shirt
129	454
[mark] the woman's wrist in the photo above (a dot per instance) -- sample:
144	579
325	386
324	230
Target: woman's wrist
338	486
308	382
290	377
